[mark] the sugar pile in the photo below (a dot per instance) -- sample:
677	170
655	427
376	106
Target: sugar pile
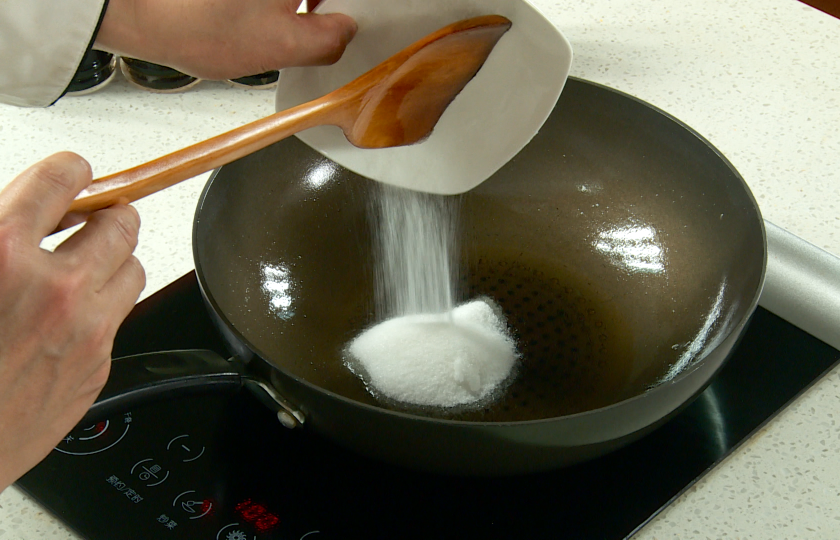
427	352
442	360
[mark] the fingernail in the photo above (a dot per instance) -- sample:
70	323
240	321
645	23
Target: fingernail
76	164
136	214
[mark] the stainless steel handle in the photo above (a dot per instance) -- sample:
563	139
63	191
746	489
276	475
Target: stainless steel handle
802	285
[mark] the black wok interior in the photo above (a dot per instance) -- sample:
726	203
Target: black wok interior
617	242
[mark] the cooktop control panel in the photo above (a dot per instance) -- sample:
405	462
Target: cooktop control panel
194	473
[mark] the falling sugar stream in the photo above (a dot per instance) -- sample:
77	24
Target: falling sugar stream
416	241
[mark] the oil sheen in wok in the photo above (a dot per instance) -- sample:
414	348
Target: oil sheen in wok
572	344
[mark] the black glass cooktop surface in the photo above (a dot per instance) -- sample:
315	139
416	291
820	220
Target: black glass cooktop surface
220	466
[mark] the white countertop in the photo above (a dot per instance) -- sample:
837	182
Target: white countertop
758	78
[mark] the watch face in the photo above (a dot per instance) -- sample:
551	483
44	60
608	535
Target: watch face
261	80
95	71
155	77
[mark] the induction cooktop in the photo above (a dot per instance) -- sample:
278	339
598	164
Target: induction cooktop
219	466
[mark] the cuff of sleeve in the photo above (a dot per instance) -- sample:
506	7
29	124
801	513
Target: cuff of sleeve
88	49
42	44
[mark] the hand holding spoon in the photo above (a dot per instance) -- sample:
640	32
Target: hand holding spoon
396	103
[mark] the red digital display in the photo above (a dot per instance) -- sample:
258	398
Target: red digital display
257	515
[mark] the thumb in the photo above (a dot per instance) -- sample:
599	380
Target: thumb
321	39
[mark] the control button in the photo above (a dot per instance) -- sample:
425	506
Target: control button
95	438
149	471
185	448
95	431
233	532
194	507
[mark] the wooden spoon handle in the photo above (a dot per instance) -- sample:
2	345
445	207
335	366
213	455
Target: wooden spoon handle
148	178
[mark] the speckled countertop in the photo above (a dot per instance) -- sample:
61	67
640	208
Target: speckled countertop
759	78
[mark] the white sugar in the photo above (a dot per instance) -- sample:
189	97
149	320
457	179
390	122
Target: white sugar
416	251
426	353
442	360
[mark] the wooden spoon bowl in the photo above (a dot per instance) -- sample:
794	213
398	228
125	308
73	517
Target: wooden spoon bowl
396	103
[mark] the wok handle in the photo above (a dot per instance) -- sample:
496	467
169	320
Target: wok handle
139	379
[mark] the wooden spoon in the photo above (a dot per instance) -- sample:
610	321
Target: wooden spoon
396	103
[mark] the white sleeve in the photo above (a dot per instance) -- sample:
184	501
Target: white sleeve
42	43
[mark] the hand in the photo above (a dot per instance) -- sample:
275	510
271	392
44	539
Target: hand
59	311
223	39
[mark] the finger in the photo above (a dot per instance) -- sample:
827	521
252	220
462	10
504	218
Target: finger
321	39
71	219
37	199
121	292
104	243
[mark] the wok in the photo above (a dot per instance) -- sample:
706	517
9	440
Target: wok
626	251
